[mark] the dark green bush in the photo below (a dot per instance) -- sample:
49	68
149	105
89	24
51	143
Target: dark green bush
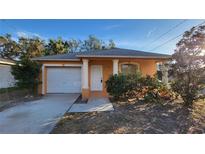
26	73
133	85
150	82
116	86
122	86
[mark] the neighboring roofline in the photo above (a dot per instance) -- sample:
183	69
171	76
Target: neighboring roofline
7	63
55	59
117	56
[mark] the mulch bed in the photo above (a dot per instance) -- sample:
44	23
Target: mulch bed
13	96
137	118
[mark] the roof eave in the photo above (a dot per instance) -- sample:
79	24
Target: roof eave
56	59
116	56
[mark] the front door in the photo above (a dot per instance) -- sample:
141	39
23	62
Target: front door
96	78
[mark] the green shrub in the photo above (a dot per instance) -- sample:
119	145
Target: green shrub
150	82
136	86
133	85
116	86
26	73
154	90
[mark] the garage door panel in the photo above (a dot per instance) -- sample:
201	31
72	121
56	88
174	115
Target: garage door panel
64	80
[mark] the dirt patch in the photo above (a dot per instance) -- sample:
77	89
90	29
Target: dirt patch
11	103
13	94
140	117
15	97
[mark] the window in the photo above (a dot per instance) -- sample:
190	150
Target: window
129	68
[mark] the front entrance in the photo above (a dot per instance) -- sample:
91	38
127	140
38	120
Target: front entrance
96	78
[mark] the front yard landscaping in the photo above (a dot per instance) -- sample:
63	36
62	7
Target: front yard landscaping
138	117
142	105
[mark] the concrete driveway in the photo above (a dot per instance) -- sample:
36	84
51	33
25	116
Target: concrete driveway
38	116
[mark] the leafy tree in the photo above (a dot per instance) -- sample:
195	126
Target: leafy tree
34	47
23	48
31	47
4	39
8	47
111	44
189	65
58	46
26	73
92	43
74	45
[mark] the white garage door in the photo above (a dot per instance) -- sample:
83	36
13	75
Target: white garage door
64	80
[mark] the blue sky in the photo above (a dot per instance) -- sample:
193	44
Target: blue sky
131	34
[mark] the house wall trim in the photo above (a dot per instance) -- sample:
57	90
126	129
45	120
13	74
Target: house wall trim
71	65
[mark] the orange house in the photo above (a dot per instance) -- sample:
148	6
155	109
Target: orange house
87	72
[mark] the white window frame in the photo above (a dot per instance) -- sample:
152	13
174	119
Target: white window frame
133	63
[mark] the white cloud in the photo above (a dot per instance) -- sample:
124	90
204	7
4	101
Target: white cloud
27	34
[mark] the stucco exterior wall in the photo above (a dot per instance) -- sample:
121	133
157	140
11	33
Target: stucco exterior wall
146	66
6	78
